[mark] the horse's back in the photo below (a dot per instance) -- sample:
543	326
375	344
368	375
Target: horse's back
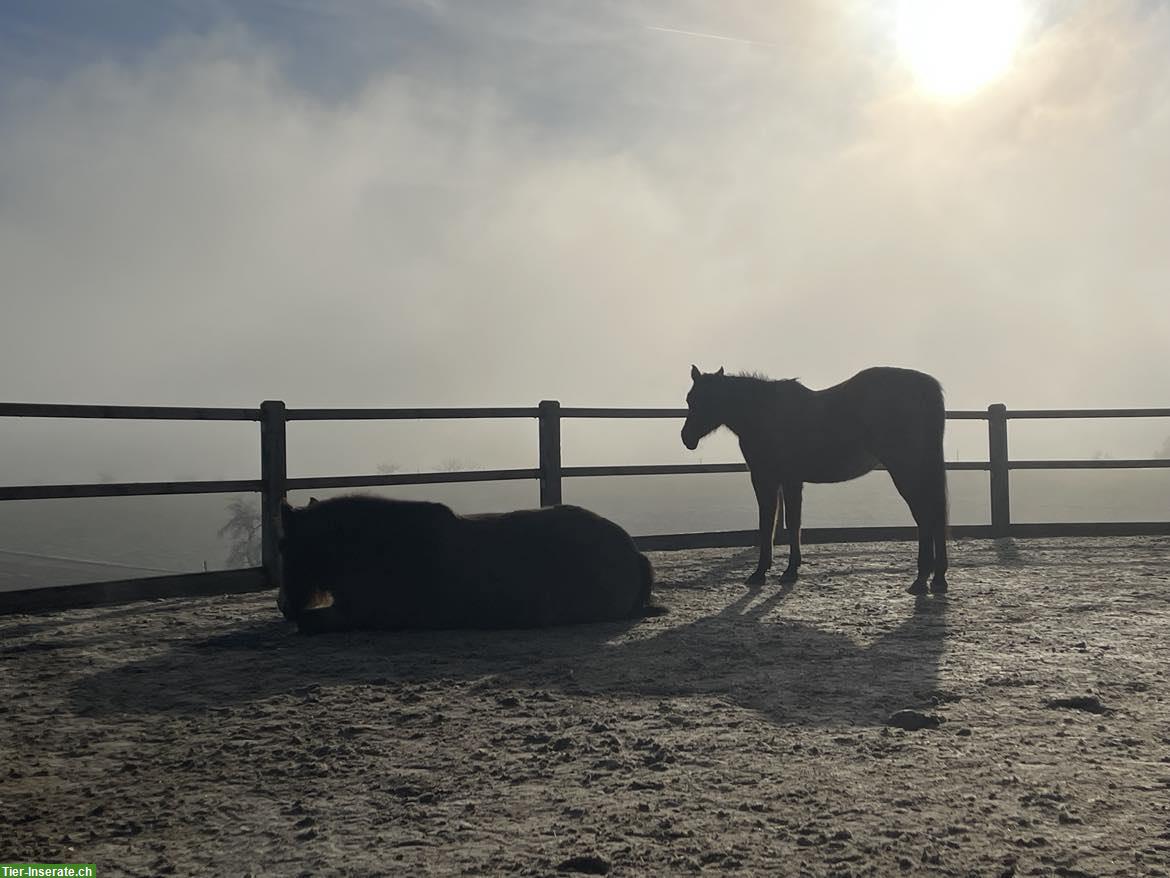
887	385
896	411
883	395
550	566
359	513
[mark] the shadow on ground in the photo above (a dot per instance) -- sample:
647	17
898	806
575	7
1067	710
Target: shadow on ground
740	652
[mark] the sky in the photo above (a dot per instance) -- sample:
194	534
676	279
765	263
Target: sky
462	202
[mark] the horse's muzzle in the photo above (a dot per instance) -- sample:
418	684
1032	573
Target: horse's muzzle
690	442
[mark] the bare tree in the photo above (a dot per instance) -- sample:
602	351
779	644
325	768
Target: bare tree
388	469
243	530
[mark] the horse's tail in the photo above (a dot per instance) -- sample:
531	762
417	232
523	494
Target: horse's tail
939	417
645	608
946	501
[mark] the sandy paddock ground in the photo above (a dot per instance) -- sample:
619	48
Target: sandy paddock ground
743	732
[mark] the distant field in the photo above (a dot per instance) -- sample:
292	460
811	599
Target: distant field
21	570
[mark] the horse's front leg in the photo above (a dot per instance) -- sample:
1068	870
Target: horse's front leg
792	493
323	619
767	491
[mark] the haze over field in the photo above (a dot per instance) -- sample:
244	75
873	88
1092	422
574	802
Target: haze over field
460	203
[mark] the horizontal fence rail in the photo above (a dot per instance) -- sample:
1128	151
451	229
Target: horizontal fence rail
440	478
274	484
94	594
952	415
669	469
1103	463
423	414
1037	414
125	412
127	489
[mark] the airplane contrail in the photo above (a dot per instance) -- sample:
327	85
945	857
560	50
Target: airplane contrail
691	33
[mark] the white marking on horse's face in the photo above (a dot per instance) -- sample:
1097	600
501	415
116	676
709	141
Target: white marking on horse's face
319	600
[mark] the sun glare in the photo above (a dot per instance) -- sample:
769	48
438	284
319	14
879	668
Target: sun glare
955	47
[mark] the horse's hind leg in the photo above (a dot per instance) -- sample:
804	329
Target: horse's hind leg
925	557
938	584
938	497
927	496
910	486
792	492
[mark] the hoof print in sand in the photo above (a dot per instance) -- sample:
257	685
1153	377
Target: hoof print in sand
1088	703
588	865
913	720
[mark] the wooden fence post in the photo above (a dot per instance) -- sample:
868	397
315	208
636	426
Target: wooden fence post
997	448
550	452
273	472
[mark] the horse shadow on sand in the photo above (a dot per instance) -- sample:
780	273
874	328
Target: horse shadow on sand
746	653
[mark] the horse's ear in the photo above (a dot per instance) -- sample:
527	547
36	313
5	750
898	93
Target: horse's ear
313	501
720	372
695	373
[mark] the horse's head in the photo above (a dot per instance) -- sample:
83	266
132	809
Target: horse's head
300	564
704	406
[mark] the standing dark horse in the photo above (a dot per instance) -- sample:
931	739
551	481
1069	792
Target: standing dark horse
790	435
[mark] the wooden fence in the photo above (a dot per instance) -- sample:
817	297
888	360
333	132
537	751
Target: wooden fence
274	483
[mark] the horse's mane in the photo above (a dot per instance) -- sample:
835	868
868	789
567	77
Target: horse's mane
760	376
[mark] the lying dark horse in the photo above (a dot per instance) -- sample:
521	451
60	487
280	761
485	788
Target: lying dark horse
790	435
368	562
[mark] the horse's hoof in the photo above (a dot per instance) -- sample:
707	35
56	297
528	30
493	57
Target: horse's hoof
756	578
788	576
917	587
938	585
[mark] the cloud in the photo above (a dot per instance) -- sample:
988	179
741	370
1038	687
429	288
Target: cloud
582	207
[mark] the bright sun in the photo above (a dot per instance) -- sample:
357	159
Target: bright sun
955	47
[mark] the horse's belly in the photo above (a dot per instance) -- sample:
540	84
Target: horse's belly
839	469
